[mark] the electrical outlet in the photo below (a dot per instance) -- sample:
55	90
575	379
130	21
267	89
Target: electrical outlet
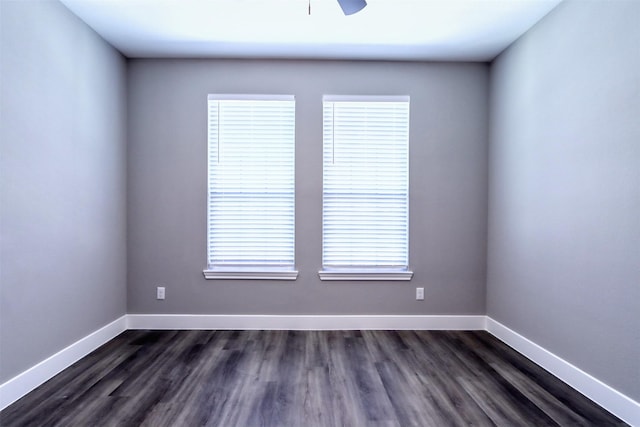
420	294
160	292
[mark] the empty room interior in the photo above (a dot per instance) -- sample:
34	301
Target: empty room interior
510	297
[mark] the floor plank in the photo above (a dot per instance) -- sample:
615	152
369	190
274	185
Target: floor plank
305	378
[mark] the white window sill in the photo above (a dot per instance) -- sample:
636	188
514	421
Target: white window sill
373	274
250	274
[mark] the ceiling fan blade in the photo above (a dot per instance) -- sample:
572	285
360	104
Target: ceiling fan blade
349	7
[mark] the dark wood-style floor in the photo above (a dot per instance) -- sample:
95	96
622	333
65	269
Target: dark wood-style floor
304	378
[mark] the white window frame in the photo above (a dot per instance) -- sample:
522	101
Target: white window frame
357	272
268	269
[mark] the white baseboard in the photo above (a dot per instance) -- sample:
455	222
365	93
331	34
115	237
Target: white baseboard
304	322
28	380
612	400
607	397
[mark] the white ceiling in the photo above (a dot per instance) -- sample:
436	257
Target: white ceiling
449	30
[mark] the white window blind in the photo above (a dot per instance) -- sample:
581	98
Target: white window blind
251	187
365	216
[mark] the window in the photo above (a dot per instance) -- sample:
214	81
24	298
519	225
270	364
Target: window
250	233
365	204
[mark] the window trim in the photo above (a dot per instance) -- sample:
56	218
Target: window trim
330	273
365	274
249	272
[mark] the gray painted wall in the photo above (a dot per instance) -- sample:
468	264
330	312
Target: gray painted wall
62	182
564	209
167	186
